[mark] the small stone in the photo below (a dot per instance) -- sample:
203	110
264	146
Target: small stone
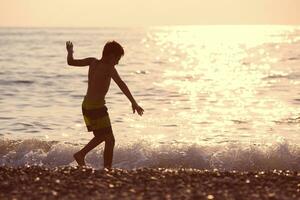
54	193
132	190
271	194
5	184
210	196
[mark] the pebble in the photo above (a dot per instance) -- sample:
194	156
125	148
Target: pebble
34	182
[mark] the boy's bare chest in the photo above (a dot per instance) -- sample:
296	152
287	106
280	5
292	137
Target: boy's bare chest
100	76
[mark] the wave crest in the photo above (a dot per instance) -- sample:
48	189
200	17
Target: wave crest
280	155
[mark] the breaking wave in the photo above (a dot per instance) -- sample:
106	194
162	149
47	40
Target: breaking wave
280	155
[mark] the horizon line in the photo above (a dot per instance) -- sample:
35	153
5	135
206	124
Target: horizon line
147	26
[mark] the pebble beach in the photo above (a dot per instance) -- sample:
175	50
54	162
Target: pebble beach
35	182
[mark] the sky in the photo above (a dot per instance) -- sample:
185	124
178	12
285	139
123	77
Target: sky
97	13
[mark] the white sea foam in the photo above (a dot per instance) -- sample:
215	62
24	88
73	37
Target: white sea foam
280	155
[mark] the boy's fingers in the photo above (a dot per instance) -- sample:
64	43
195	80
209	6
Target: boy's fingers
140	112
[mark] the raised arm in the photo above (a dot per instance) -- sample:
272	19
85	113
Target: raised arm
122	85
77	62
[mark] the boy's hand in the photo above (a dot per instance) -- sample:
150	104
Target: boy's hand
136	107
69	46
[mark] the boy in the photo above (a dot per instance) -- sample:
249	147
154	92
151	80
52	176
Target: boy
93	106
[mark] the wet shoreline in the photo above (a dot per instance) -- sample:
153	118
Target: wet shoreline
145	183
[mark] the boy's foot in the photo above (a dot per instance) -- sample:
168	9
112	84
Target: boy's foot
79	159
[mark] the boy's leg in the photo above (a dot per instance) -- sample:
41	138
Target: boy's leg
80	155
108	150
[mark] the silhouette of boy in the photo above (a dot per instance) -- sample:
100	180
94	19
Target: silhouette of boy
93	106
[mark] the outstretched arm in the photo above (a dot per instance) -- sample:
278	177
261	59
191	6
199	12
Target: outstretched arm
122	85
77	62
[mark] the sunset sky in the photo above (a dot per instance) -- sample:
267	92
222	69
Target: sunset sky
95	13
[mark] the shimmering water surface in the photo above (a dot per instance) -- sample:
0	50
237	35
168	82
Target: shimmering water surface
214	96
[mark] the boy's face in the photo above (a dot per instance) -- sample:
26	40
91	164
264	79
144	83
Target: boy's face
114	60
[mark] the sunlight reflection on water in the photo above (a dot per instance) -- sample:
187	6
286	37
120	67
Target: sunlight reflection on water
203	84
221	89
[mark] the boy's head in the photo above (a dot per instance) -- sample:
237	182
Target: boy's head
112	52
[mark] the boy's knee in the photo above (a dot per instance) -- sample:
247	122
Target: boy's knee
99	134
110	139
99	137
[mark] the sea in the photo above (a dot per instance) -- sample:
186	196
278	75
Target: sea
215	97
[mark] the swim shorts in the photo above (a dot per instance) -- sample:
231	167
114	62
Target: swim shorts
95	116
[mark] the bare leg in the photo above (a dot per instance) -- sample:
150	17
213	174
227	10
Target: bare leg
108	150
80	155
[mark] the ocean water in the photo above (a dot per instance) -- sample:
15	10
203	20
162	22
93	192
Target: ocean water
215	97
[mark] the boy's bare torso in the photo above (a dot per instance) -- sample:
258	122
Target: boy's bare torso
99	77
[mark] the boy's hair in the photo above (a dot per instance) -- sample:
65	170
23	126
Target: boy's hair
112	47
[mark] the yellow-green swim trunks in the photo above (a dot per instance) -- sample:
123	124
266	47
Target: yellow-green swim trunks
95	116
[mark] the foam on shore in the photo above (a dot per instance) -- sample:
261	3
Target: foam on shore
281	155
